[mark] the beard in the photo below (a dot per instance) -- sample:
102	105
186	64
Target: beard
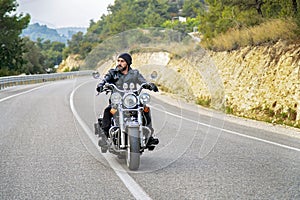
121	69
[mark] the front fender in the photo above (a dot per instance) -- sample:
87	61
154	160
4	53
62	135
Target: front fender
132	125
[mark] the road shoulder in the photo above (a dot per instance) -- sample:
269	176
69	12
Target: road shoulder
276	128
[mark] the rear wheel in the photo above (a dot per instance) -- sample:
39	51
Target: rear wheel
133	151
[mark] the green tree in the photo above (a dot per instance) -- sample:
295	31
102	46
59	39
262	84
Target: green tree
34	59
192	8
219	18
295	6
125	15
79	45
156	13
267	8
247	4
11	45
52	53
225	15
57	46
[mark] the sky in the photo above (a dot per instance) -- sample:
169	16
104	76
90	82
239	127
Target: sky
64	13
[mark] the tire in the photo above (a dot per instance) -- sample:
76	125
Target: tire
133	151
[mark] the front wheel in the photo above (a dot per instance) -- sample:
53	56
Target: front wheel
133	150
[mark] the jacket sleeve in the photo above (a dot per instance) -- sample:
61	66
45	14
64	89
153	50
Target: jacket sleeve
108	78
140	78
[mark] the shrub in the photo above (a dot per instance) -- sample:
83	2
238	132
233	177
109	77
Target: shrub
269	31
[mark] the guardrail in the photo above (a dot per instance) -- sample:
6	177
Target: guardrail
9	81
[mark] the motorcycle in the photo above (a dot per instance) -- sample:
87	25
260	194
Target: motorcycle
128	136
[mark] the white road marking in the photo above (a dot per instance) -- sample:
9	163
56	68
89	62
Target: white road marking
135	189
15	95
234	133
228	131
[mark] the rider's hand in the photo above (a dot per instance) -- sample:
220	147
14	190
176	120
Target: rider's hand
99	88
153	87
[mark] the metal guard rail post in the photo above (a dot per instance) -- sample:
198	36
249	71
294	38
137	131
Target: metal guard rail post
9	81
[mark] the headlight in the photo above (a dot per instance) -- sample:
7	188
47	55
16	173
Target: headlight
125	86
130	101
131	86
115	98
144	98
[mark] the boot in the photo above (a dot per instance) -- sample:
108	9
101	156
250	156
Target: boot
102	141
98	130
152	141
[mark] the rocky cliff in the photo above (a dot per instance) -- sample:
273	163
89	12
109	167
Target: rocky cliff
71	63
255	82
262	82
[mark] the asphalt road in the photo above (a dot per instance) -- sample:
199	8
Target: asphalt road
48	151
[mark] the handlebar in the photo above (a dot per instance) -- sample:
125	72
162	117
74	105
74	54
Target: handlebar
109	87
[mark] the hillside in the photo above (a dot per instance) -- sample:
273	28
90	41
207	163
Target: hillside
262	82
251	69
259	82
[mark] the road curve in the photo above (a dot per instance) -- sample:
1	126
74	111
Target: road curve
48	151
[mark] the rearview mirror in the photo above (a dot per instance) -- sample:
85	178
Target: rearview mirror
96	75
154	75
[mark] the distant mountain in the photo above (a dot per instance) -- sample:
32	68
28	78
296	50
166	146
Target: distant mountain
35	31
70	31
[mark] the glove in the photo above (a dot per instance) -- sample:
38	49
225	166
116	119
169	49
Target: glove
153	87
99	88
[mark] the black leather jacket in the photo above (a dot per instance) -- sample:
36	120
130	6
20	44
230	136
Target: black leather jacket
114	76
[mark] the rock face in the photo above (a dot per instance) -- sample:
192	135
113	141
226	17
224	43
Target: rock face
193	77
73	61
256	82
262	80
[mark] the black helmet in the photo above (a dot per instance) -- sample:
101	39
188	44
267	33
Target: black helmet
126	57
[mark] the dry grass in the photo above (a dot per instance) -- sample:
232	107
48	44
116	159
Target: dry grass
270	31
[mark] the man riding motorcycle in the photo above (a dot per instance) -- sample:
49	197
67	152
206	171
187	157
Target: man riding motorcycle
123	73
